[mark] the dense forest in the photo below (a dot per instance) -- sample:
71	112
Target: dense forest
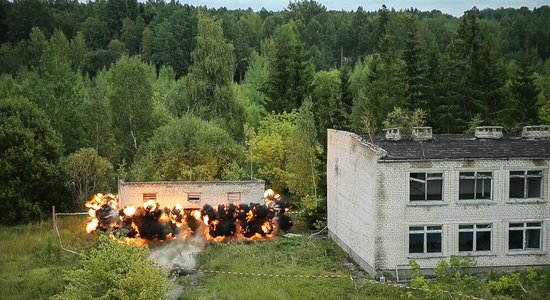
117	89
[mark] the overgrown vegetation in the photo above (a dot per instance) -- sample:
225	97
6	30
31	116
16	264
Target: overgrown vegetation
453	276
32	266
31	261
114	270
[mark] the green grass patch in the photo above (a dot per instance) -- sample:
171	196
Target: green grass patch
31	261
298	255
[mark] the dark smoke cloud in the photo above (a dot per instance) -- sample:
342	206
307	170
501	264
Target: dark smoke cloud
227	221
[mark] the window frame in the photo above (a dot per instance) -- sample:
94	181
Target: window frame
197	195
475	229
233	200
440	178
149	196
476	178
525	226
526	177
425	231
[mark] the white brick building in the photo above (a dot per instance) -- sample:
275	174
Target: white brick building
392	199
191	194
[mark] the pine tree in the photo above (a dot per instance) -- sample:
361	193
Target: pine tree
415	69
289	72
210	77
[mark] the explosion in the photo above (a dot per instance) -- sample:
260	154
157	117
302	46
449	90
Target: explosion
224	222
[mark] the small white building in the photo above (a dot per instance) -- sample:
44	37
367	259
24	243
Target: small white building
190	194
395	198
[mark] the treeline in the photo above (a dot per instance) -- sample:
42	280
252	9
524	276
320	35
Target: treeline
105	90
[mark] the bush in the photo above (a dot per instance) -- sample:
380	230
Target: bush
112	270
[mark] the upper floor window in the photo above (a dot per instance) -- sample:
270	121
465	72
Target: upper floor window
426	186
475	185
525	236
525	184
475	237
425	239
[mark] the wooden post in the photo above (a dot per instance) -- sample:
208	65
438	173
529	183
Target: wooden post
54	218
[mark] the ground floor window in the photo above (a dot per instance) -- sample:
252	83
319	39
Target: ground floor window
234	197
193	197
525	236
149	197
425	239
474	237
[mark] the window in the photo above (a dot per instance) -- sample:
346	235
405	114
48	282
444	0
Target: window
234	197
193	197
476	237
525	184
525	236
426	186
475	185
149	197
425	239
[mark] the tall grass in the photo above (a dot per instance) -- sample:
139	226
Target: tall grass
31	261
298	255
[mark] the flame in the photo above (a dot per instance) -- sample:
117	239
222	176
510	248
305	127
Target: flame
268	193
129	211
227	222
150	205
92	225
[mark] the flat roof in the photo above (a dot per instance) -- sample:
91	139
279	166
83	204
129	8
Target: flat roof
460	147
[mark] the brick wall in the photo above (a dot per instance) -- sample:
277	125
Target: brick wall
171	193
351	189
368	200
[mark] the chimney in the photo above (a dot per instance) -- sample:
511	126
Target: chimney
421	133
393	134
536	132
489	132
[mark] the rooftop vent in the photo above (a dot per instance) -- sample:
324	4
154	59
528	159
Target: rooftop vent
421	133
393	134
536	132
489	132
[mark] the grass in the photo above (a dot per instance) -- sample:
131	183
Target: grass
31	261
32	265
298	255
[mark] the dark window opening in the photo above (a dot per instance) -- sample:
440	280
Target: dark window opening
525	184
525	236
473	238
194	197
475	185
426	186
425	239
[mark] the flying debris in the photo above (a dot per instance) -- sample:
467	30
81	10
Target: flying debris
224	222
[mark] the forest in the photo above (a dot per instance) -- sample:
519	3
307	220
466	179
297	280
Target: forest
107	90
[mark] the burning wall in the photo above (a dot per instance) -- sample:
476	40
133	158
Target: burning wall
150	221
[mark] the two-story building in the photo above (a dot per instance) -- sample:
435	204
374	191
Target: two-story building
427	197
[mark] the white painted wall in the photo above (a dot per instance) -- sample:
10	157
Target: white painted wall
170	193
369	212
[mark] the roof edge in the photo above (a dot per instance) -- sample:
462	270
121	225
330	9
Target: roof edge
375	148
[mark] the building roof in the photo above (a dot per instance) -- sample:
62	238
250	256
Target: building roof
460	147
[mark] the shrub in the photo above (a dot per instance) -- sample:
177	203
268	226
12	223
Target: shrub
112	270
